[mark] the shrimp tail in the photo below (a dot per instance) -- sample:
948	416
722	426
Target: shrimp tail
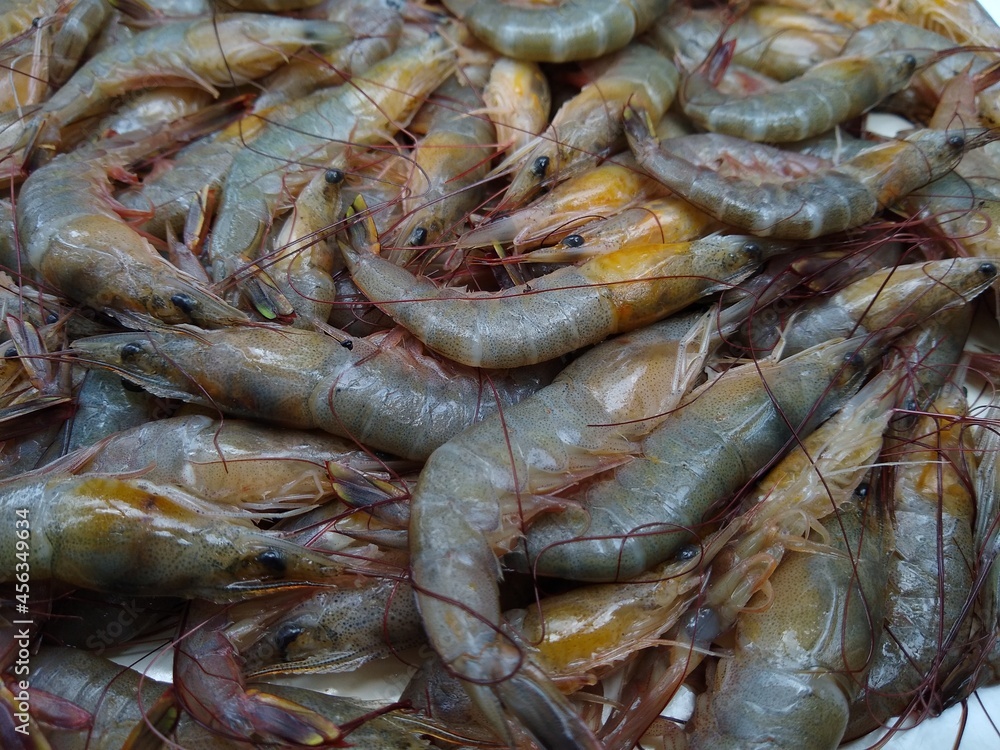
544	711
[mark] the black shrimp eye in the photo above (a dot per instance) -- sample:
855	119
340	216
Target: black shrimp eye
12	352
988	269
862	490
128	385
956	141
347	344
573	240
911	404
184	302
854	359
333	176
131	349
273	560
52	318
287	635
688	552
419	236
540	166
751	249
910	61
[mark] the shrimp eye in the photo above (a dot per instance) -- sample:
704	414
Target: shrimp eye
988	269
573	240
419	236
347	344
130	350
287	635
184	302
854	359
52	318
128	385
12	352
862	490
688	552
333	176
956	141
540	166
910	61
273	560
752	249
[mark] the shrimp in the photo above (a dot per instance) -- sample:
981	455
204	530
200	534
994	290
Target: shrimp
900	296
79	26
656	221
18	17
826	95
588	127
385	397
517	99
708	448
611	187
117	697
151	109
168	543
558	313
777	41
830	200
449	164
75	240
824	472
302	267
927	630
285	156
224	51
570	31
23	65
337	630
801	659
575	426
210	687
375	28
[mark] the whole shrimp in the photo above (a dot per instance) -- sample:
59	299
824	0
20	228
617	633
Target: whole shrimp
76	241
223	51
386	397
588	127
902	296
578	30
708	448
830	200
449	163
826	95
285	156
574	427
558	313
927	628
167	543
796	664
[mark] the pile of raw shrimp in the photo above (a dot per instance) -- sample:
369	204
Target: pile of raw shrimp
557	358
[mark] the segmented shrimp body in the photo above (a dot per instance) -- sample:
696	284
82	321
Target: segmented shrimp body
824	96
211	53
76	241
167	543
571	30
573	427
560	312
830	200
385	397
644	512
